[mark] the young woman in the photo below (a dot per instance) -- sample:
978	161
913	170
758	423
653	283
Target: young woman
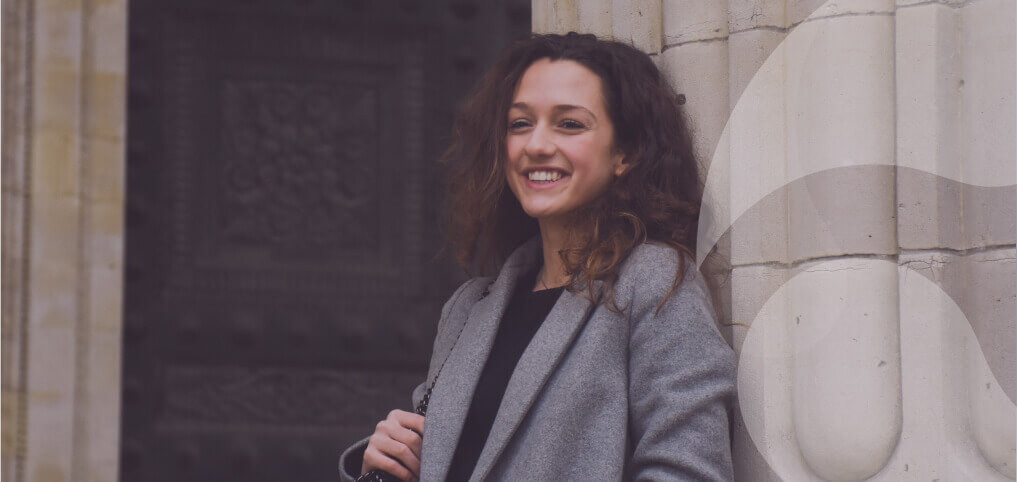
593	354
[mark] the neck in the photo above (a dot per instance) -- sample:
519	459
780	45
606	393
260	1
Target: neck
553	238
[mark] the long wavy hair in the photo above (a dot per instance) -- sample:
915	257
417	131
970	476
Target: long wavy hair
657	198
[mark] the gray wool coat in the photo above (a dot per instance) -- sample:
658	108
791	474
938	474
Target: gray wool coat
597	395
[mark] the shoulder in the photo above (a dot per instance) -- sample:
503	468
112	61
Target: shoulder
649	273
466	295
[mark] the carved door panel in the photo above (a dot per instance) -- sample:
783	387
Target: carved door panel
283	270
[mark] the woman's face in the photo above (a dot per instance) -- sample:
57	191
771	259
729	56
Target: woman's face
560	140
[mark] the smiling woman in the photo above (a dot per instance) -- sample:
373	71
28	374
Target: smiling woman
560	142
593	353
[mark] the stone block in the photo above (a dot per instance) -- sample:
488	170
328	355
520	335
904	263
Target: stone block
55	163
692	20
926	103
53	263
747	51
106	29
981	284
699	72
107	95
750	14
50	397
909	3
848	210
751	288
970	203
950	366
988	88
103	410
56	34
840	94
846	369
594	16
554	16
638	22
798	11
989	215
749	463
760	235
839	119
104	181
105	244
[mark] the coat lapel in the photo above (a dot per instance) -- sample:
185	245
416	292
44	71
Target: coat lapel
540	359
453	391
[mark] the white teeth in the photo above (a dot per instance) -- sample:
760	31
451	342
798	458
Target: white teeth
546	176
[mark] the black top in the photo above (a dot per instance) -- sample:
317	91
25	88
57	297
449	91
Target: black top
523	316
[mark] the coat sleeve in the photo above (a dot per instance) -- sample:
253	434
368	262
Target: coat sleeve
681	378
352	459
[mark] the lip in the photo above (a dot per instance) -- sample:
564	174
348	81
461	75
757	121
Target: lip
544	185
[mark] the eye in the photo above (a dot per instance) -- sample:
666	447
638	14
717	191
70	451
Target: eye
518	124
571	124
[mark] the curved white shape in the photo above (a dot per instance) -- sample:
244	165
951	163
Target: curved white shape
815	121
846	377
940	361
952	425
993	415
818	375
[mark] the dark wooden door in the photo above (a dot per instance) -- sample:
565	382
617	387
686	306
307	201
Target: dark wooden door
283	232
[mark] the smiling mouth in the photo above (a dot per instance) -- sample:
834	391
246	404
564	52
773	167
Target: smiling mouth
544	176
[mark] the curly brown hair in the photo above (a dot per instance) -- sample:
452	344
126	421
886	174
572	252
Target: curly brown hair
657	198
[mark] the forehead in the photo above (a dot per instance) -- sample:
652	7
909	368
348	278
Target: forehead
547	83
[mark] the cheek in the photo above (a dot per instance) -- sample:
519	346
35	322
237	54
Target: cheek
514	147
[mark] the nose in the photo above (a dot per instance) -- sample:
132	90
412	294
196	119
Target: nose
540	144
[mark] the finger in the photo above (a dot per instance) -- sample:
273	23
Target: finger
377	459
407	437
409	420
401	453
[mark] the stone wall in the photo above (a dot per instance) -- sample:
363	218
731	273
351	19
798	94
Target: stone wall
64	73
859	162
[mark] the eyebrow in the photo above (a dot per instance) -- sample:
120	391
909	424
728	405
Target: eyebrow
557	108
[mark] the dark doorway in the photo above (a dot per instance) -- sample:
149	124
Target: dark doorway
283	279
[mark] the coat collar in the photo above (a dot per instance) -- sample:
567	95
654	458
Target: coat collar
453	391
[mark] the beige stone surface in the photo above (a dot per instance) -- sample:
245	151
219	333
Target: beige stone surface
949	196
822	9
760	235
594	16
844	211
755	286
910	3
747	51
757	133
846	370
638	22
71	247
981	283
693	20
988	77
699	71
841	95
796	11
749	14
554	16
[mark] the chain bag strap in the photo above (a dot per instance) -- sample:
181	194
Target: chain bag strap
378	475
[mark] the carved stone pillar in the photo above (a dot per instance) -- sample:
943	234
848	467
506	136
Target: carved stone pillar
64	67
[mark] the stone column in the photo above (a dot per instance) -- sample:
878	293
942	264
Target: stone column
63	191
859	164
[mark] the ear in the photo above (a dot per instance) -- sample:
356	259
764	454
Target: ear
620	166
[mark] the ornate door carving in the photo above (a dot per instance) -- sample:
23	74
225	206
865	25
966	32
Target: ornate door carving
283	277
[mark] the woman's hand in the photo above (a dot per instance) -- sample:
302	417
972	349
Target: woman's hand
395	446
